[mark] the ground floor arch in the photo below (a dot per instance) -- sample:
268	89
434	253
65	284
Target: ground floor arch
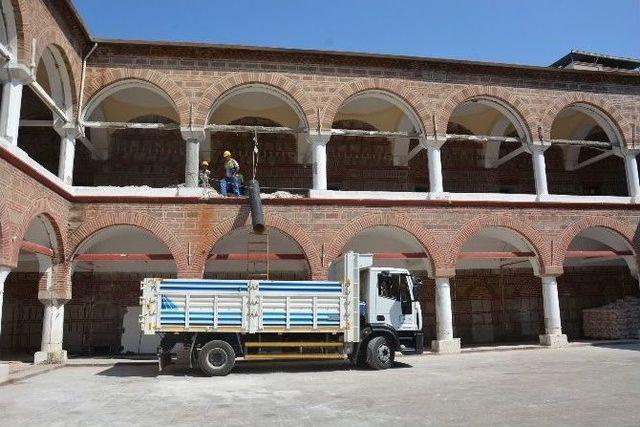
107	266
598	288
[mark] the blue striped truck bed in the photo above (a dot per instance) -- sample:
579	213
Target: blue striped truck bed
247	306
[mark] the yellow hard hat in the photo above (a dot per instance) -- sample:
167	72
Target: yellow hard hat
204	163
226	154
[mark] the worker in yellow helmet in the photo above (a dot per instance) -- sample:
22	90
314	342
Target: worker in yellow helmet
204	176
230	181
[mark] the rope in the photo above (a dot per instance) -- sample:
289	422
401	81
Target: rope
255	153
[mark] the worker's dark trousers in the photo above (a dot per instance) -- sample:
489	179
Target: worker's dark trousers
229	183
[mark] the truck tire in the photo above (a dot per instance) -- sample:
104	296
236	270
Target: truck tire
216	358
380	353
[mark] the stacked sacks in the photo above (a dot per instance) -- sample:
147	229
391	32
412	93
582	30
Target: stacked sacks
618	320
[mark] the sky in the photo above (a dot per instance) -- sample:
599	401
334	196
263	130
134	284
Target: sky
535	32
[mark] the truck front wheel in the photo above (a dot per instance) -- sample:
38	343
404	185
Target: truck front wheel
216	358
380	353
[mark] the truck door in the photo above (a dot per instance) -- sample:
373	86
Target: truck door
393	305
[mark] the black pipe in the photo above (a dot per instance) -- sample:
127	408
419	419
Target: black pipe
257	216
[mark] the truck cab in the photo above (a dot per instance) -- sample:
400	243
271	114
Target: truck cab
389	307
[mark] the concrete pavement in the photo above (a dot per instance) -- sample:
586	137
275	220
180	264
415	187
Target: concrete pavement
597	385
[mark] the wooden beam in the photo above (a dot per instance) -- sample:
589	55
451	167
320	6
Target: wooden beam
122	257
582	143
598	254
36	123
36	248
509	156
373	133
495	255
49	102
592	160
399	255
255	257
130	125
481	138
253	129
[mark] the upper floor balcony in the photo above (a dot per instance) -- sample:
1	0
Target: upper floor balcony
132	138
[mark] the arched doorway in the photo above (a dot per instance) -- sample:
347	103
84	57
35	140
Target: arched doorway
244	115
102	316
22	312
599	286
242	254
585	170
359	162
38	138
133	128
496	296
500	165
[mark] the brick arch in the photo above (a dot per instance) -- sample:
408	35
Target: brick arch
53	38
395	88
41	207
143	221
532	237
352	229
288	86
561	245
5	240
294	231
109	77
606	107
517	105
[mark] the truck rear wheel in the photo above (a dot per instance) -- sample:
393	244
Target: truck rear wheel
216	358
380	353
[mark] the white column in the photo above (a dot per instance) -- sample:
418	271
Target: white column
553	336
193	138
631	168
4	272
10	111
445	343
67	155
52	333
319	159
539	169
435	168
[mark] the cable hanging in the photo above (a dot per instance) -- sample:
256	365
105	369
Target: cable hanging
255	153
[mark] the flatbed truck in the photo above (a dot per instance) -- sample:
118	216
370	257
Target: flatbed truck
362	312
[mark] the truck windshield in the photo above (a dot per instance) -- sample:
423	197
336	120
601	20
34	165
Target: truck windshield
394	286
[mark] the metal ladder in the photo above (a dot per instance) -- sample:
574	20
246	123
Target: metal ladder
257	243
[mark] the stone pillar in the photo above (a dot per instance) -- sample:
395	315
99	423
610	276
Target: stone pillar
553	336
10	111
4	272
445	342
539	168
435	169
53	319
67	153
193	138
12	100
631	168
318	143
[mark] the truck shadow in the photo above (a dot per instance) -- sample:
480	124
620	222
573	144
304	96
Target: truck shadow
150	370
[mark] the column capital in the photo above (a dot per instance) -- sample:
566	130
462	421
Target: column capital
539	147
436	141
19	73
193	134
67	130
320	138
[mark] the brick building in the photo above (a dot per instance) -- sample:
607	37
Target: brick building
512	190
